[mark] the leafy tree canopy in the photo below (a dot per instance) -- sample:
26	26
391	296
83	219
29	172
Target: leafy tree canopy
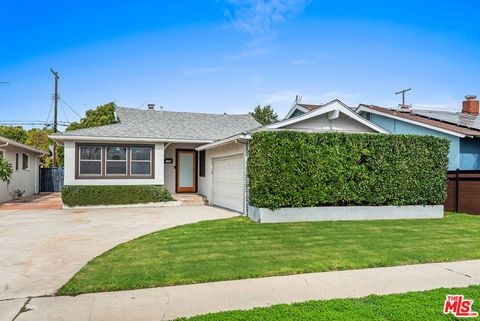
102	115
38	138
264	115
16	133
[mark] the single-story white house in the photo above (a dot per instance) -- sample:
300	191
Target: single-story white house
25	161
186	152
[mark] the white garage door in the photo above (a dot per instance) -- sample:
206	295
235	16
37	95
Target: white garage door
228	182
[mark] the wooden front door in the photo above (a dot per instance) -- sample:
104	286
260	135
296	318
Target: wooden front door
186	171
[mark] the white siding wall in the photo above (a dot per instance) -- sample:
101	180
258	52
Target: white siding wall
205	183
69	175
21	179
170	168
342	123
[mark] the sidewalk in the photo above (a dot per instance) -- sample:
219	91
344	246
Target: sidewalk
187	300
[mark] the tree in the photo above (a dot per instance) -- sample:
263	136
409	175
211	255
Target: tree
6	170
38	138
16	133
264	115
102	115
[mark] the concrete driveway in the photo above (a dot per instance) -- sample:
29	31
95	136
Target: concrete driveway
42	249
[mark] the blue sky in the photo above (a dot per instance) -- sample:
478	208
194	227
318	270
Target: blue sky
228	56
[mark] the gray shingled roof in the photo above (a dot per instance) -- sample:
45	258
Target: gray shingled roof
135	123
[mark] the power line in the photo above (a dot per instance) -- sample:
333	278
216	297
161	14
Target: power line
64	113
71	108
48	117
31	122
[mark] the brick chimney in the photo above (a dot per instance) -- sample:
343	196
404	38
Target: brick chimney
470	105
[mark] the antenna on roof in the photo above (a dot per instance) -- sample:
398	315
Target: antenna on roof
403	96
298	99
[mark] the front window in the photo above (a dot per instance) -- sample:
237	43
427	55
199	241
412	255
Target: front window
141	161
115	161
90	160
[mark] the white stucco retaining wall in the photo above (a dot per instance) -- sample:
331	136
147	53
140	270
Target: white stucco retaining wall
344	213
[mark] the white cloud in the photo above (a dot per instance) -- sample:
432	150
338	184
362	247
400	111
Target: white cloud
301	62
281	96
259	17
255	52
282	100
198	71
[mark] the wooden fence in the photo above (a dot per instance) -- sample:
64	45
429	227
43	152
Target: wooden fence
51	179
463	191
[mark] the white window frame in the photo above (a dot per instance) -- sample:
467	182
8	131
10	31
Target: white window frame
89	160
112	160
141	161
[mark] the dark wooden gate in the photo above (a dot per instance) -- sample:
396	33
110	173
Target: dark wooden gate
51	179
463	192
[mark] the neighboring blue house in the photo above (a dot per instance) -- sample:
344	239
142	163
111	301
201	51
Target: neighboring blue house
461	128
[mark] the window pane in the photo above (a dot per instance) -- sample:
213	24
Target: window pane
90	168
25	161
202	164
90	152
116	153
117	168
140	168
141	153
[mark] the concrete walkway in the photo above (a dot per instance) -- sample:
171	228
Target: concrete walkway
188	300
42	249
43	201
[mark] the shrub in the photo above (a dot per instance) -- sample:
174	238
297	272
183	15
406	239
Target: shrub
298	169
113	194
6	170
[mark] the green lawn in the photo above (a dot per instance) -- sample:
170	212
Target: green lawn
423	306
237	248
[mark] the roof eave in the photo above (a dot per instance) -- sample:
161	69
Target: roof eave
386	114
8	142
64	138
224	141
326	108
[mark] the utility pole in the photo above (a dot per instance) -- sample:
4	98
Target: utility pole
403	95
55	116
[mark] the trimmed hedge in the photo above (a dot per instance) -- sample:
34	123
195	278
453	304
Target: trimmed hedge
299	169
84	195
